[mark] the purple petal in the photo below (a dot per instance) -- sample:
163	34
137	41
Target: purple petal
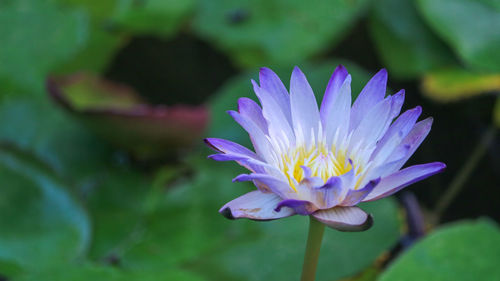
401	179
272	84
307	171
373	125
345	218
310	182
251	164
231	151
353	197
397	103
257	136
301	207
386	168
255	205
331	93
274	115
372	93
411	142
229	147
338	116
329	194
277	186
251	110
395	134
305	113
325	195
226	157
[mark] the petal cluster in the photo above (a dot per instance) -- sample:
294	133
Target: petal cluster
323	161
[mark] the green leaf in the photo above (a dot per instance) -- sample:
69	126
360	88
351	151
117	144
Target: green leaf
275	32
116	205
111	189
223	126
95	56
154	17
471	28
37	36
467	250
54	138
99	10
406	45
103	40
455	84
185	224
41	223
10	269
85	272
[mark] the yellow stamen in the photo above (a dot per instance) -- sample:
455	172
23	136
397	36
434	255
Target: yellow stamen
323	162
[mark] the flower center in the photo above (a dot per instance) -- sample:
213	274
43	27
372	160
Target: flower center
322	161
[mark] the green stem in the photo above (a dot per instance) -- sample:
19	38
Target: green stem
461	178
313	247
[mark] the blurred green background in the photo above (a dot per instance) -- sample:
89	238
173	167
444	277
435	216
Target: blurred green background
104	104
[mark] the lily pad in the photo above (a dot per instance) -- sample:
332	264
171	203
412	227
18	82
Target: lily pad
185	224
275	32
100	176
471	28
37	36
41	223
103	40
154	17
86	272
468	250
405	44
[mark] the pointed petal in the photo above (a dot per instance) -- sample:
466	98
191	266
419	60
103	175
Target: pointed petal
372	93
331	93
255	205
229	147
251	110
301	207
305	113
345	218
230	151
399	180
338	116
270	82
376	121
397	103
395	134
353	197
384	169
278	124
277	186
372	125
257	136
411	142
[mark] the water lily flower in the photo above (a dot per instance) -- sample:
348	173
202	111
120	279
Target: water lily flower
323	162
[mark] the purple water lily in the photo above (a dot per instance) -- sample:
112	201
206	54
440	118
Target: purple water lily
322	162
